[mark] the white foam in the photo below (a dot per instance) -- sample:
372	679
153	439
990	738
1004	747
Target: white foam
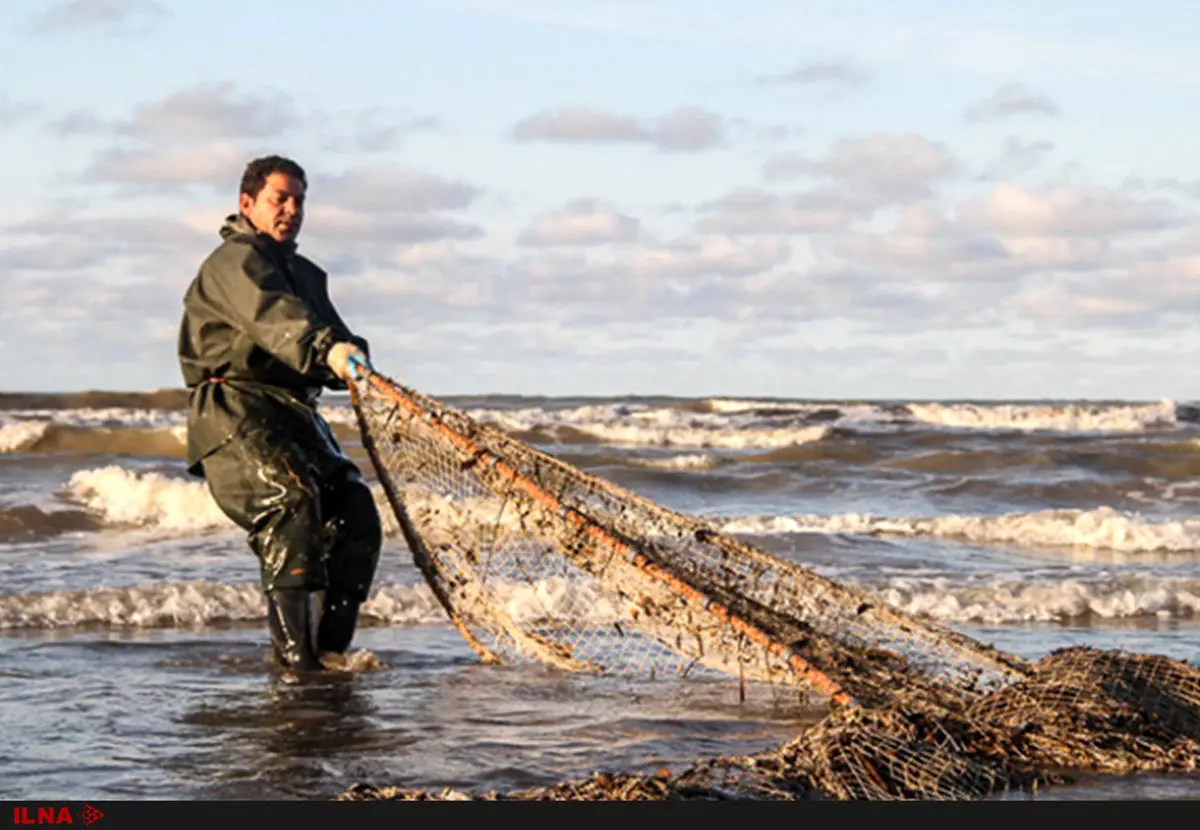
687	461
706	437
1006	600
340	415
118	417
201	603
107	417
148	499
995	601
21	435
645	426
1067	417
1101	528
191	604
735	405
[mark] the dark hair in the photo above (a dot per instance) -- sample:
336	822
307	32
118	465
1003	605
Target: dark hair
257	171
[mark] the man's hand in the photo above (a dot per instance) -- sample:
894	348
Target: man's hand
344	360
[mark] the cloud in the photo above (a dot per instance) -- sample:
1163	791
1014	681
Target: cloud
884	167
709	254
685	129
14	112
842	74
689	129
212	111
64	242
779	132
1187	188
580	222
218	164
1010	100
347	230
1069	211
1017	159
752	211
370	132
118	16
394	189
578	124
222	113
78	123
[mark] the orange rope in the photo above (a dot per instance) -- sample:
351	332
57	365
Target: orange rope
816	677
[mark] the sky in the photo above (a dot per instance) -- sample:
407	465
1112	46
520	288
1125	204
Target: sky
778	198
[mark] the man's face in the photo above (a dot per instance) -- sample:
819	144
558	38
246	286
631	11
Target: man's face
279	208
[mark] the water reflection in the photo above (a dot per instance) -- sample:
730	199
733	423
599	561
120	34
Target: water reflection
306	740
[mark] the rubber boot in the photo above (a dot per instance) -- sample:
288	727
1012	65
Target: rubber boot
290	621
338	621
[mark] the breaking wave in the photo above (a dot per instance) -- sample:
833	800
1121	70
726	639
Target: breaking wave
997	600
1100	528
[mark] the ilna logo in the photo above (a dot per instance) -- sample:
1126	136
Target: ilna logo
87	814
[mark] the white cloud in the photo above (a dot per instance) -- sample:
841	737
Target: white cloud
212	111
223	113
14	112
580	222
345	229
1017	158
839	74
391	188
114	15
218	163
685	129
1064	210
688	130
882	168
579	124
1014	99
78	241
717	254
752	211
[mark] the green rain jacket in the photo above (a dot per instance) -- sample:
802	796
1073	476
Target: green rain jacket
257	326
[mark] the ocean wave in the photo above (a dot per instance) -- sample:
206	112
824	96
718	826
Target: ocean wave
50	437
182	506
998	601
1066	417
170	506
1100	528
686	461
993	601
722	424
641	425
199	603
27	523
147	500
117	430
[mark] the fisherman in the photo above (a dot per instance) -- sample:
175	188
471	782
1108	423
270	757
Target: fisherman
259	339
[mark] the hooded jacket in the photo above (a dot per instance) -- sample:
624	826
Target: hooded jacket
257	326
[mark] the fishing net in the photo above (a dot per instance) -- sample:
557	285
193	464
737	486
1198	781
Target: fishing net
535	560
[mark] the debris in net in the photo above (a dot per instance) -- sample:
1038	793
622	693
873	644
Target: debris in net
535	560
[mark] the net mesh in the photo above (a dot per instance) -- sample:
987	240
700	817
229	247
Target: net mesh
535	560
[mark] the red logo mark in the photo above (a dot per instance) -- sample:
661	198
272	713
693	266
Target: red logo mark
55	815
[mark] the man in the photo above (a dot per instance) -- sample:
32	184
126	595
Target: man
259	339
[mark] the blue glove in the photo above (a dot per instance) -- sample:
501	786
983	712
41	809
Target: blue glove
347	361
360	365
